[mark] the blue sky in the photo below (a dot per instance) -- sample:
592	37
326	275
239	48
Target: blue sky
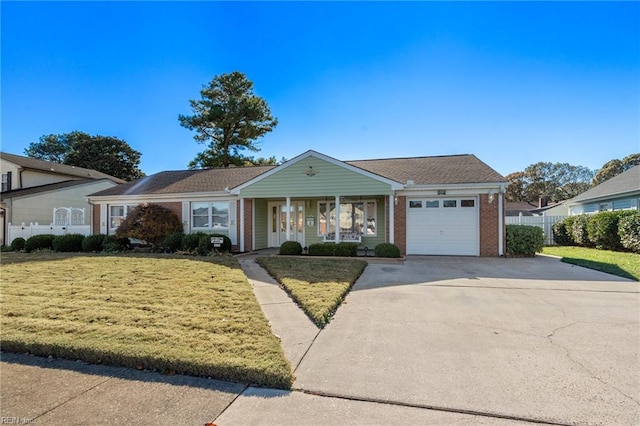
513	83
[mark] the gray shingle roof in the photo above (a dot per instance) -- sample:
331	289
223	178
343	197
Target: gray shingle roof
51	167
625	182
446	169
451	169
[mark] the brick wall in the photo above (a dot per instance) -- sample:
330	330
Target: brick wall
400	230
248	224
489	239
175	207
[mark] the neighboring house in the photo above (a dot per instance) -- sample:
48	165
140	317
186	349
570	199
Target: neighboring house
446	205
526	209
621	192
32	189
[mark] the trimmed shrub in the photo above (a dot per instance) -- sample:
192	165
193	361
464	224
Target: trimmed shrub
345	249
629	231
524	240
113	243
602	230
579	232
39	242
387	250
173	242
70	243
149	222
321	249
93	243
562	232
291	248
18	244
190	241
205	246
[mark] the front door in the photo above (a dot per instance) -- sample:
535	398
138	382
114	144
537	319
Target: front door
278	223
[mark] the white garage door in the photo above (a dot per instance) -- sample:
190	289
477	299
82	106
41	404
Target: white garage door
443	226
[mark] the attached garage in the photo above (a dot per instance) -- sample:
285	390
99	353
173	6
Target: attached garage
443	226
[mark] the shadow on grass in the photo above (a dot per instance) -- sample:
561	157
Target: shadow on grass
599	266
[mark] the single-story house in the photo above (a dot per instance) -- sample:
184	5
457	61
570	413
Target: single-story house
46	193
621	192
441	205
517	208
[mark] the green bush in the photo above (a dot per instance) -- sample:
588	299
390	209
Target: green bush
524	240
629	231
93	243
70	243
17	244
39	242
112	243
205	246
387	250
602	229
579	232
150	223
291	248
345	249
562	232
190	241
173	242
321	249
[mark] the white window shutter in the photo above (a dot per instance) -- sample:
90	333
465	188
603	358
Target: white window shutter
233	223
186	217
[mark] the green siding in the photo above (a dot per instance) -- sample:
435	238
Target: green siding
261	223
329	179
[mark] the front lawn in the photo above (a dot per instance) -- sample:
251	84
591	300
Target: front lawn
318	286
625	265
194	316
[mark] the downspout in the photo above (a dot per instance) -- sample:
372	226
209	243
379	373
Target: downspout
500	222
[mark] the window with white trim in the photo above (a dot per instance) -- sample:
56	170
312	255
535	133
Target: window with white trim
5	182
210	215
117	213
360	217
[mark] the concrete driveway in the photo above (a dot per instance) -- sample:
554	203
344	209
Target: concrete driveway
528	339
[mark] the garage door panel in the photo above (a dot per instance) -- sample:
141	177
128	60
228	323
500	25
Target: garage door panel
442	230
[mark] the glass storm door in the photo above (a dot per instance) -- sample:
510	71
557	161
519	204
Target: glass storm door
278	223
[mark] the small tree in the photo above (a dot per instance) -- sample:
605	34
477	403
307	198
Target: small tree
149	222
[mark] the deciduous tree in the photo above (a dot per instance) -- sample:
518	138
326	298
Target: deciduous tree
552	181
614	167
105	154
228	117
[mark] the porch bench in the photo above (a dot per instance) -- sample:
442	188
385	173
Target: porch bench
345	237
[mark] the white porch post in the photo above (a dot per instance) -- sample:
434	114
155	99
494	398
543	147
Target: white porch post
500	225
392	220
288	218
241	224
337	235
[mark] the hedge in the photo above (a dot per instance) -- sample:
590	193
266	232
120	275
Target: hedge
290	248
602	229
70	243
93	243
111	243
173	242
343	249
39	242
629	231
387	250
579	232
18	244
205	247
524	240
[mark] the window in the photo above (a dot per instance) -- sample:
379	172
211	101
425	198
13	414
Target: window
359	217
415	204
5	182
449	203
467	203
432	204
210	215
117	213
603	207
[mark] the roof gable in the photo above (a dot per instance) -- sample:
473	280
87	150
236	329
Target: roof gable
624	183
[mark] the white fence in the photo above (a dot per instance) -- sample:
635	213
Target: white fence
26	231
544	222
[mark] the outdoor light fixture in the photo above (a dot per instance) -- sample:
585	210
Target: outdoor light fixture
491	197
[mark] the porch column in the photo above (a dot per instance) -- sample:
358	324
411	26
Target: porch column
337	234
392	206
288	218
241	224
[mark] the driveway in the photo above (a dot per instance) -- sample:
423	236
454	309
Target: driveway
528	339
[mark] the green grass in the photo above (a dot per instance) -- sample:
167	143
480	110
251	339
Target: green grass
625	265
318	286
195	316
